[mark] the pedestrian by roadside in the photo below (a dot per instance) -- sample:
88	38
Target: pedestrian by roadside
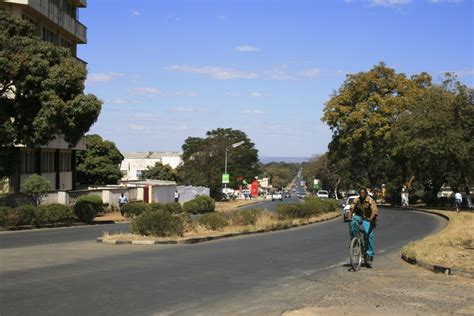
122	201
176	196
458	200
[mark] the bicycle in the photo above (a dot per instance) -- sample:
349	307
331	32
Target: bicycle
357	250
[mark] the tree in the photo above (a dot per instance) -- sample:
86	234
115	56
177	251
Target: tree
332	174
160	172
99	163
435	136
203	159
41	92
280	173
361	114
36	187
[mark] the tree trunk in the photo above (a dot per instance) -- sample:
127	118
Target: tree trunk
408	186
468	192
336	188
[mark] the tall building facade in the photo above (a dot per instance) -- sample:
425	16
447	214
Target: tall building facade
57	22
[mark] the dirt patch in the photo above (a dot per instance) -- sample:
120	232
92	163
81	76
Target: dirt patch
113	216
452	247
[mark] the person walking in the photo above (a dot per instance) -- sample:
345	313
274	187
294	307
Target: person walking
122	201
176	196
458	200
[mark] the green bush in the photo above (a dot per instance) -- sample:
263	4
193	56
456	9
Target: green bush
244	217
174	208
36	187
87	207
56	213
311	207
201	204
8	217
214	221
158	223
26	215
134	209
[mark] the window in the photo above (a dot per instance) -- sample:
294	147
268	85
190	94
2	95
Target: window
49	36
47	161
27	161
65	161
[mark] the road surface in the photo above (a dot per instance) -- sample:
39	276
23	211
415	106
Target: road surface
63	273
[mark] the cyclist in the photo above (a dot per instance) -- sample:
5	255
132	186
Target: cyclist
364	212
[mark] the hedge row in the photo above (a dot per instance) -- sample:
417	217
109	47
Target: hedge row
199	205
311	207
87	207
28	215
160	223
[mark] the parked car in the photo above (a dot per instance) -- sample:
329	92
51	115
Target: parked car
301	195
323	194
277	196
346	207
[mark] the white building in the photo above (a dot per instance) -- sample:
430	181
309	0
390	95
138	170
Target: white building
134	163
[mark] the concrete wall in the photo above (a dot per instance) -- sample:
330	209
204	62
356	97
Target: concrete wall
163	194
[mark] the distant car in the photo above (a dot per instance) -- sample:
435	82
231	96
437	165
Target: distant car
346	207
277	196
323	194
301	195
287	195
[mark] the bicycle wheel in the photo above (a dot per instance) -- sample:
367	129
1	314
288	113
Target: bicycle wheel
355	254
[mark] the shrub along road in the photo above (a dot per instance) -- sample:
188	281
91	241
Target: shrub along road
85	278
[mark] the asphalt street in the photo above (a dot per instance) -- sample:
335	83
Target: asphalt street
73	276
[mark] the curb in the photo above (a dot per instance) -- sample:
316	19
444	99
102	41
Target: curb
209	238
434	267
437	268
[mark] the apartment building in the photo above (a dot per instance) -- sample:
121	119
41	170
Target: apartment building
134	163
57	22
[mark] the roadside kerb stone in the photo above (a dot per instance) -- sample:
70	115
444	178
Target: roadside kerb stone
208	238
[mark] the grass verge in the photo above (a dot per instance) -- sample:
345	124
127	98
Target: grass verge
231	205
452	247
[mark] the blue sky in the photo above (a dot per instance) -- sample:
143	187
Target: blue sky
167	70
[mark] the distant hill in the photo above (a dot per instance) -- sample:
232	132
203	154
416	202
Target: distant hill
267	159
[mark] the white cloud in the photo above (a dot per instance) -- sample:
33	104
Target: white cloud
233	94
119	101
252	111
311	73
278	73
181	94
390	3
256	94
136	13
246	49
104	76
136	127
146	91
188	109
214	72
144	115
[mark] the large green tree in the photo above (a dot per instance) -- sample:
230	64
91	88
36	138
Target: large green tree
435	136
99	163
41	92
160	172
203	159
361	114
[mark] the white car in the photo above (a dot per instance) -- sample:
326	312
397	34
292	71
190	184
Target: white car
346	207
277	196
323	194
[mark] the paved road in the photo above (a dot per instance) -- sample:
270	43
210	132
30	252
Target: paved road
86	278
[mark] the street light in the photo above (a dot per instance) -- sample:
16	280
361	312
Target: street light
226	154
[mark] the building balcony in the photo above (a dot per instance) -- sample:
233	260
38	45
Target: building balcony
60	18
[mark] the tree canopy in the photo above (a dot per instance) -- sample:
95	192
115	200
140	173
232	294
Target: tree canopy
203	159
397	130
41	91
160	172
99	163
280	173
